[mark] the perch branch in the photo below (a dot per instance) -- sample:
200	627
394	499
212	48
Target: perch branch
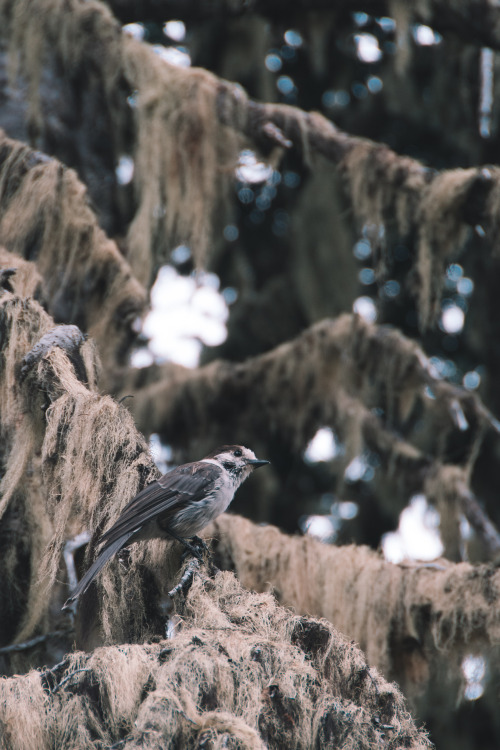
479	520
422	605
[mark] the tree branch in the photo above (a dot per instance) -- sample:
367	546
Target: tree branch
405	617
343	370
47	219
390	191
32	642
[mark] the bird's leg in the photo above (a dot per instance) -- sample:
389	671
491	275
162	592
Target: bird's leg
186	544
201	546
192	567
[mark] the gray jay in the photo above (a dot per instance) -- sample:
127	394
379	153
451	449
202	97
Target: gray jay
179	505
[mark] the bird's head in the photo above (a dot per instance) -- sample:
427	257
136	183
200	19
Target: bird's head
236	459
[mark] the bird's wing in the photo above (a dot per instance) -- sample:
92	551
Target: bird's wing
162	497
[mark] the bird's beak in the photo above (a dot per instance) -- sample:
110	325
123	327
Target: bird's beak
256	462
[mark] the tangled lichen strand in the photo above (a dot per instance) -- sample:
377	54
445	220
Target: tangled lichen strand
392	193
26	282
82	445
23	521
22	322
442	233
93	462
81	35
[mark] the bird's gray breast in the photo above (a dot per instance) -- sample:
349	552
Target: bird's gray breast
192	518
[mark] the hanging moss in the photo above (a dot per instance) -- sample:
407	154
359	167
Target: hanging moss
46	219
406	617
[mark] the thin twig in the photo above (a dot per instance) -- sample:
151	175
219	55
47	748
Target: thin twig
69	676
120	401
479	521
276	134
32	642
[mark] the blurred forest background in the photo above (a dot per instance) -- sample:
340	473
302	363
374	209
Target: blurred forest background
282	229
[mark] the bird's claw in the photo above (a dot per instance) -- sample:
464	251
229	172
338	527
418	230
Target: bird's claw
198	548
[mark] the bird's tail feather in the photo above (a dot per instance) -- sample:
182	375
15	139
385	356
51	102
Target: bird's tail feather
103	557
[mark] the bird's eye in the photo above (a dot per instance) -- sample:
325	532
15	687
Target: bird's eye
237	453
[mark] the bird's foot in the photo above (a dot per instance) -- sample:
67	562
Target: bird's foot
198	548
195	547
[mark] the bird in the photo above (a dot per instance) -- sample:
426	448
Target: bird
179	504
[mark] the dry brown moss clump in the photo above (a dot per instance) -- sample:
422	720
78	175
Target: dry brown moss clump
241	672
